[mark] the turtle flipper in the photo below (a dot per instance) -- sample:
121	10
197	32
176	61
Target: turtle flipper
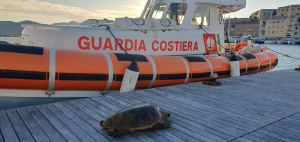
164	123
117	132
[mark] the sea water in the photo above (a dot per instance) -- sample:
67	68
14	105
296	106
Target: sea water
283	64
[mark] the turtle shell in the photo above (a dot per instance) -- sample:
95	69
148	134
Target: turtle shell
137	117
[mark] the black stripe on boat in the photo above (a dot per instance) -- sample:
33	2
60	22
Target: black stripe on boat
275	63
249	56
195	59
172	76
200	75
145	77
253	68
142	77
243	70
221	73
82	77
17	74
21	49
137	58
264	66
56	76
238	57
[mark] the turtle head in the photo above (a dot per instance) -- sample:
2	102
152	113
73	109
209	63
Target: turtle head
102	123
106	123
165	114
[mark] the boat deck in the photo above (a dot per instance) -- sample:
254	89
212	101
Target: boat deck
259	107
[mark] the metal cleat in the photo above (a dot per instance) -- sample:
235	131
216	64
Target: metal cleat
212	80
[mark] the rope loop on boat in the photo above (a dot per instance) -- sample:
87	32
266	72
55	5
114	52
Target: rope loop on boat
136	21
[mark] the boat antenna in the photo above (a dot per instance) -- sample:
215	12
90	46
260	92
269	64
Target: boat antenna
131	59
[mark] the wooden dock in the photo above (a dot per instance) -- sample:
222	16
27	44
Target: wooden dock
260	107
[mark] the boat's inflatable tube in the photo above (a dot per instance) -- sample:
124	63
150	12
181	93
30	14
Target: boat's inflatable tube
26	67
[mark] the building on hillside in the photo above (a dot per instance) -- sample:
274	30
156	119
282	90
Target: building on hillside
279	26
263	13
241	23
284	11
247	29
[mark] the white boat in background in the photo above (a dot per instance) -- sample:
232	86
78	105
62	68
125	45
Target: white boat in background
296	41
280	42
271	41
287	41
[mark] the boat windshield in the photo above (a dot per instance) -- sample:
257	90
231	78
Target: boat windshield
158	11
177	12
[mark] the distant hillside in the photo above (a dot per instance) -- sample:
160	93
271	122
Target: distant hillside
9	28
70	23
13	28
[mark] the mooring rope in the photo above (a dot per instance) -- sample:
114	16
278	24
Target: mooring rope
200	26
108	28
286	55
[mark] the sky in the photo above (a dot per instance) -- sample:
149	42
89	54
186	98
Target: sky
54	11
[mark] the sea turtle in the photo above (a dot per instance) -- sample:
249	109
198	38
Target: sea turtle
137	117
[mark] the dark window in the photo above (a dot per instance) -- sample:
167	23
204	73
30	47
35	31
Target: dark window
296	33
282	9
281	14
177	12
297	13
287	9
292	9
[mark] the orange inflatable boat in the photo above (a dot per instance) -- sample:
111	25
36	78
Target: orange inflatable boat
25	67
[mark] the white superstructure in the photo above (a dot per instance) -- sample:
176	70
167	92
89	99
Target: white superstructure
166	27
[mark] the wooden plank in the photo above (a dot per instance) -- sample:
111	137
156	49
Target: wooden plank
58	125
178	124
7	129
90	120
158	136
285	133
95	106
182	114
50	131
270	136
173	132
1	137
181	110
220	104
140	136
238	96
82	135
193	103
98	117
185	122
81	123
34	128
20	128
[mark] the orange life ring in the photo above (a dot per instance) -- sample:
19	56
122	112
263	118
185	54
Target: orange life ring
239	46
